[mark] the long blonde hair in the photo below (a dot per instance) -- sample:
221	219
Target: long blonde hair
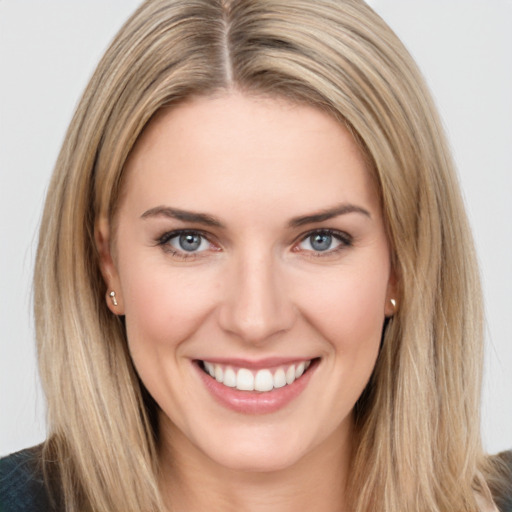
418	440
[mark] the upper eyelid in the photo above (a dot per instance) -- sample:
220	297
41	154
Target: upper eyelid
335	232
168	235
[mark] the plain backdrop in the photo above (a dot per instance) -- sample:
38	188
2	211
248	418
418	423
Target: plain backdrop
48	49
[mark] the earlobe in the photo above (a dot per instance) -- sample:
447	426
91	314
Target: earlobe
108	267
391	306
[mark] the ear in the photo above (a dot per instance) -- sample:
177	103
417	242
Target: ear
102	236
392	295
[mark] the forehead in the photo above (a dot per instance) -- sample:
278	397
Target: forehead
255	150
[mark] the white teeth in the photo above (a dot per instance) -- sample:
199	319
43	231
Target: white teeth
279	378
262	380
290	374
244	380
230	378
210	368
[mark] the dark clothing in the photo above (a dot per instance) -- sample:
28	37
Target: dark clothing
22	488
501	489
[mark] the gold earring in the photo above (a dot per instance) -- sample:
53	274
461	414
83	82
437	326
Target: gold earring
113	297
393	303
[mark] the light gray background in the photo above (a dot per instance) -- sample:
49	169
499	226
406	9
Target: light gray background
48	49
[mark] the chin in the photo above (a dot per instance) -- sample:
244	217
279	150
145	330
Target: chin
257	461
256	450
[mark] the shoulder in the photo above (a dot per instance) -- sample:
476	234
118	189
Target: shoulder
500	482
22	487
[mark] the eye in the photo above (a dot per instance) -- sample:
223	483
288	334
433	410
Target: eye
324	241
185	242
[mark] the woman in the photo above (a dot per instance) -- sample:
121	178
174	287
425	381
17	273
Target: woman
255	284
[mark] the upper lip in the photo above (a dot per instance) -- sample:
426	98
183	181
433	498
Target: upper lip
256	364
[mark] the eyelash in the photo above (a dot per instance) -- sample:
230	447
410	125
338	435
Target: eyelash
344	238
164	240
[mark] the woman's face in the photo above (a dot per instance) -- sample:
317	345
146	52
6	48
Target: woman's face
250	245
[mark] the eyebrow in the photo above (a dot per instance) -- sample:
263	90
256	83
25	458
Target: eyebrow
330	213
186	216
209	220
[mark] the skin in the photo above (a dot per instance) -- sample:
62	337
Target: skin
255	289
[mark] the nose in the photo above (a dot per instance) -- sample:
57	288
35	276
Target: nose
256	305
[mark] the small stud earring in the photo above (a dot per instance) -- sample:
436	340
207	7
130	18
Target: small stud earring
393	303
113	297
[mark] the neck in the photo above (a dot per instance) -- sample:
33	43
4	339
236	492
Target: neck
193	482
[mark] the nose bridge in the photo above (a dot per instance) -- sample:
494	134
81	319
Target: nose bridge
256	304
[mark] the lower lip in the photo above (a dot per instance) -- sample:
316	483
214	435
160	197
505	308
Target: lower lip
255	402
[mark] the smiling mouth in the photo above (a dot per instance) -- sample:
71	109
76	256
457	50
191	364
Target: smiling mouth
263	380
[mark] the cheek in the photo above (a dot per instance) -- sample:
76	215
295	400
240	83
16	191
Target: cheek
164	305
344	309
348	309
349	314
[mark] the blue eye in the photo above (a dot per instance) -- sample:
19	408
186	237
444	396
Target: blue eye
324	241
190	242
185	242
321	241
